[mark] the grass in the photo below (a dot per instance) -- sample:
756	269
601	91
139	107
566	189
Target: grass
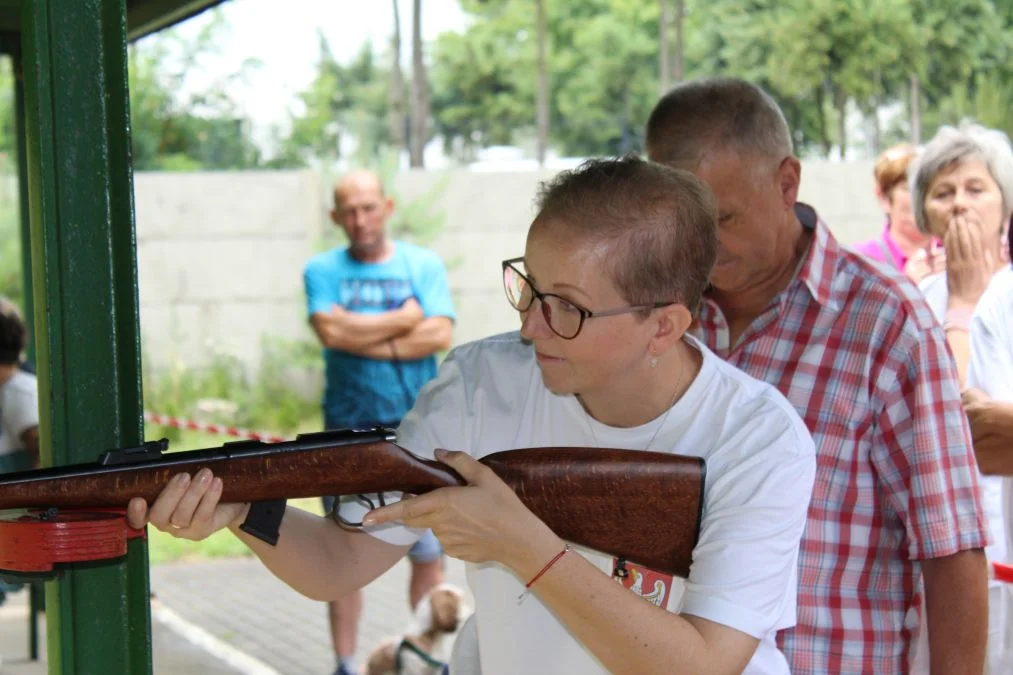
164	548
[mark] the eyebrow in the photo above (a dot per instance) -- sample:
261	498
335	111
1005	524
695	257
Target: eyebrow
571	287
558	285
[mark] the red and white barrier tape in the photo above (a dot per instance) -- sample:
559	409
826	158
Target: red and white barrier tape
178	423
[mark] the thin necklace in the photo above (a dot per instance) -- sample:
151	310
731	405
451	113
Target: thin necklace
671	404
619	571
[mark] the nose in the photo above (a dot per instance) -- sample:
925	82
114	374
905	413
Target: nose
960	201
533	323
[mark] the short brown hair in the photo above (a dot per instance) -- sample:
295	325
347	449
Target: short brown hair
661	222
713	113
891	167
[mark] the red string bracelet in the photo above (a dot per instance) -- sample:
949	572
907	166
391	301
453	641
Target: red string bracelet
555	559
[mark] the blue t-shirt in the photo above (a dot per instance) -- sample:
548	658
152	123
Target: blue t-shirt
361	391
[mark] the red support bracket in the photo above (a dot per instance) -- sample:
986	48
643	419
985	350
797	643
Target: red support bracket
37	540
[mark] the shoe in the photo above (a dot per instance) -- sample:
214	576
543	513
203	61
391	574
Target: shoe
341	670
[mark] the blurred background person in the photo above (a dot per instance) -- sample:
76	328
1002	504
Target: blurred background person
962	191
901	244
382	310
19	407
19	395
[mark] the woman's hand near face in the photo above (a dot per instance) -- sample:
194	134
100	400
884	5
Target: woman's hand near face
969	264
188	508
482	521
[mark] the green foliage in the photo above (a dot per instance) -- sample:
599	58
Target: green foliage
266	401
342	99
10	222
819	59
483	81
174	131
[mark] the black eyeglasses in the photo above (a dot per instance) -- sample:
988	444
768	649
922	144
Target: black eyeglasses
563	316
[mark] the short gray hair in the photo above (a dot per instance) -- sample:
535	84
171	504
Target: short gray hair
957	144
714	113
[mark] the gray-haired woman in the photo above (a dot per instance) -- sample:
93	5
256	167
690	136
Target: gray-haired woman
962	192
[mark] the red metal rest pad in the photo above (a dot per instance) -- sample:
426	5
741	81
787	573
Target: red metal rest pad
1002	572
37	540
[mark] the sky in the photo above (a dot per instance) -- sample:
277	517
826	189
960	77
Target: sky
283	37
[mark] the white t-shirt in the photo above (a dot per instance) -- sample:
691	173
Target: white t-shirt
937	296
489	396
991	370
19	410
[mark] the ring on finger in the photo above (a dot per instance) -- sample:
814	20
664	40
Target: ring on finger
175	526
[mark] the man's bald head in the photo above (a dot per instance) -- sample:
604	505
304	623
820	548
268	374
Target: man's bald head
358	180
711	115
362	211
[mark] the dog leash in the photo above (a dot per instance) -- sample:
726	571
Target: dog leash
412	647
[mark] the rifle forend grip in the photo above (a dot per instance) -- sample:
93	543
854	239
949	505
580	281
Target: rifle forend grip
643	506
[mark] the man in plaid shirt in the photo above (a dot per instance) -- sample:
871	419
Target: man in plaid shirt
857	352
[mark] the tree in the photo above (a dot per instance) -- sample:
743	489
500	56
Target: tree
482	91
679	53
397	87
341	101
171	130
419	93
967	44
826	63
542	96
665	44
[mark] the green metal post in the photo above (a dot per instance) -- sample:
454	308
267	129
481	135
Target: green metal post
35	589
86	311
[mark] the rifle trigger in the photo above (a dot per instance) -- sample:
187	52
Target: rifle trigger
263	520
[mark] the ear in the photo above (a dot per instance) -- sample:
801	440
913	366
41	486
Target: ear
789	177
672	323
335	217
389	206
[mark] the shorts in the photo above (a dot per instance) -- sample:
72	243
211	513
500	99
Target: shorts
425	550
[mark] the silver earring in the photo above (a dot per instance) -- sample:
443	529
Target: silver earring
654	362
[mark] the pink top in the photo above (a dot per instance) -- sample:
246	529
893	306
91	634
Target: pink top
878	248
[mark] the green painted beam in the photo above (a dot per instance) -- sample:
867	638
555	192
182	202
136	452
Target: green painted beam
86	312
143	16
149	16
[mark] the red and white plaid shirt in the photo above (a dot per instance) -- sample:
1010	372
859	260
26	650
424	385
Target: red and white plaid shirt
860	356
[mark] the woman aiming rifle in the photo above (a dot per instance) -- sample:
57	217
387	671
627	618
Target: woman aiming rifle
612	274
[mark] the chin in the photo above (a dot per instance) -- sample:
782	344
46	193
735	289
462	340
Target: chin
557	385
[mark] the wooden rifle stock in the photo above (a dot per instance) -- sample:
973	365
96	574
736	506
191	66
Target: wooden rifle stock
642	506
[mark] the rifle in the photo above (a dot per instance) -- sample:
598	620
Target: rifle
640	506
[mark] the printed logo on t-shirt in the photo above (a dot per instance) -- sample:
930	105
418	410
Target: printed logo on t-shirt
379	295
648	584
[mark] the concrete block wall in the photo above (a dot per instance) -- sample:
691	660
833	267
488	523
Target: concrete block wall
220	258
221	254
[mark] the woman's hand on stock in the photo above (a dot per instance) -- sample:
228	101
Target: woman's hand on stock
969	264
482	521
187	508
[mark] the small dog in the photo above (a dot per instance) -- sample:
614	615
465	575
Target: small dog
426	647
